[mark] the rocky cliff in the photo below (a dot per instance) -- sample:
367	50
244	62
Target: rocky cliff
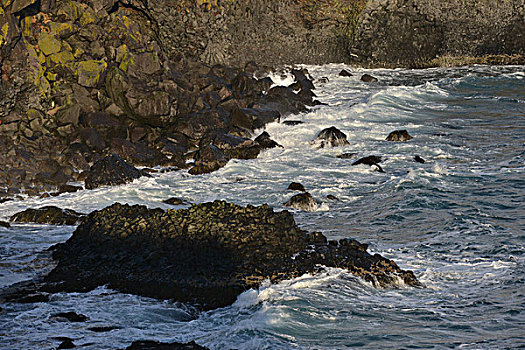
422	32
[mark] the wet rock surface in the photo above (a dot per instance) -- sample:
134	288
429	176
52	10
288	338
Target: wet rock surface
303	201
370	160
48	215
331	137
399	135
222	249
110	171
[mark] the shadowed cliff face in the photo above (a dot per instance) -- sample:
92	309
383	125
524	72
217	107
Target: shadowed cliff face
414	32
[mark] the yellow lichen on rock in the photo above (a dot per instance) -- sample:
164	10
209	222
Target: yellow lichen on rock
48	44
69	9
61	29
88	16
61	57
89	72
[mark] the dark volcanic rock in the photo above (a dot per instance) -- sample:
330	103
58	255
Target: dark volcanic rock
399	135
67	344
303	201
48	215
265	141
419	159
4	224
66	189
367	78
174	201
296	186
206	254
154	345
345	73
292	122
370	160
111	171
331	137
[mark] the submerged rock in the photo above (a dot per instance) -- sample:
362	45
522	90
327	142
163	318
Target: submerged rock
111	171
331	137
347	155
302	201
48	215
207	254
155	345
399	135
4	224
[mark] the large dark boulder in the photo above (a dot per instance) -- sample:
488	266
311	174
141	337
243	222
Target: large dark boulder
331	137
48	215
111	171
206	254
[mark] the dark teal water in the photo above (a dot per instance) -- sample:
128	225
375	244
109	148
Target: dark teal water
458	221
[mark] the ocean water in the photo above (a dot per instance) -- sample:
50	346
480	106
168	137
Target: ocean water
457	221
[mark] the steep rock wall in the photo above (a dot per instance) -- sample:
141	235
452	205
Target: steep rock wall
413	32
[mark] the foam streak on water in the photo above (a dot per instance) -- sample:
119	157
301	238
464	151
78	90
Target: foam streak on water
457	221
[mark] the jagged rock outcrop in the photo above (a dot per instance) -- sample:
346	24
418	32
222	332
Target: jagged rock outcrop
414	32
48	215
206	254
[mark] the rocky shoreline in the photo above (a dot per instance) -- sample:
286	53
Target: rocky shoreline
157	84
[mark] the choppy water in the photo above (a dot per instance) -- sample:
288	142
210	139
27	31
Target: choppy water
458	221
